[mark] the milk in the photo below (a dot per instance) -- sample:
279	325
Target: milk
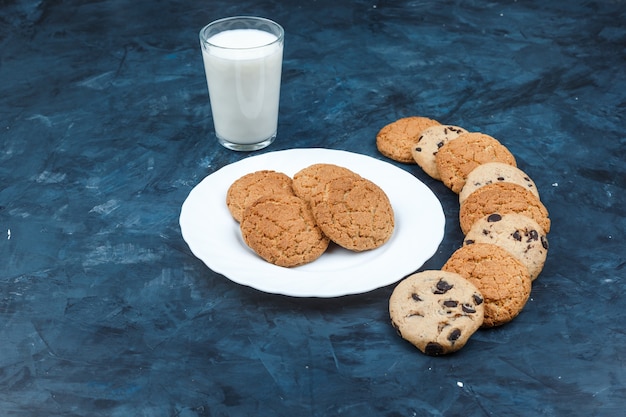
243	71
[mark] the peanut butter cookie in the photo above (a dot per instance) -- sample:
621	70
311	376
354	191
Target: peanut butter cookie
250	187
281	229
353	212
425	150
502	280
502	198
457	158
396	140
436	311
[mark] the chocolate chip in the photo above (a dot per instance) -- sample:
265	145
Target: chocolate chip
454	335
442	287
544	242
416	297
450	303
495	217
478	300
433	349
485	232
440	144
517	236
533	235
468	309
500	178
469	241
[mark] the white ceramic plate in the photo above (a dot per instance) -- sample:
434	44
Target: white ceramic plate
214	236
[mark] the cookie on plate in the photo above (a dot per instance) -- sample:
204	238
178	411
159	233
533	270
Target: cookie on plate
520	235
250	187
502	280
493	172
436	311
396	140
281	229
428	144
353	212
502	198
457	158
305	180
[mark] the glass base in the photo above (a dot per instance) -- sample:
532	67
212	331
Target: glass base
246	147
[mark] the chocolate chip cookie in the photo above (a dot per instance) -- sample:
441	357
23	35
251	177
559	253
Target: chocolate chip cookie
493	172
425	150
436	311
518	234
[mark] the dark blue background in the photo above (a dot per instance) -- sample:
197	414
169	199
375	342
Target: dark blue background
105	127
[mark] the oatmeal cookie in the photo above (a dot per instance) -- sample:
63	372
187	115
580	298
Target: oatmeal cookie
250	187
501	278
457	158
396	140
353	212
305	180
502	198
281	229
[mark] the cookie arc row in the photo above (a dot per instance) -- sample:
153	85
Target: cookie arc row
513	248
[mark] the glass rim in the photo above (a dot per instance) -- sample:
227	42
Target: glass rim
205	41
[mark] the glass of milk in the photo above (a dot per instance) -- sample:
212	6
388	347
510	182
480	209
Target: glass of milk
243	63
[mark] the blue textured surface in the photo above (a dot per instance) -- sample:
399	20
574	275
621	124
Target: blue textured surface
105	128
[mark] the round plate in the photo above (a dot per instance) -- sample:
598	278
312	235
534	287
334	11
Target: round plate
214	237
